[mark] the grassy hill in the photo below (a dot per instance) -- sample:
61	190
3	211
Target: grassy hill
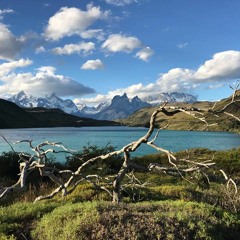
182	121
12	116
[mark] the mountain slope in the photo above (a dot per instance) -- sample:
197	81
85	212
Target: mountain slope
182	121
12	116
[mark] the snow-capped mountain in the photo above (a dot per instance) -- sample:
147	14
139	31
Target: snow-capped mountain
170	97
120	107
24	100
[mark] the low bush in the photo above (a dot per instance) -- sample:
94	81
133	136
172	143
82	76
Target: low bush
148	220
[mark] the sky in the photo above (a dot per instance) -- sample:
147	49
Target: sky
90	51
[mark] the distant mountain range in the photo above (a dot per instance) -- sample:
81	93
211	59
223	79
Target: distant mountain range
13	116
120	106
170	97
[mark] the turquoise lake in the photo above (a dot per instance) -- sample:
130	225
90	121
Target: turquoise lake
76	138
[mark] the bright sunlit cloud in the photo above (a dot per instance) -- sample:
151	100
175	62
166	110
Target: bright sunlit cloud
93	65
73	21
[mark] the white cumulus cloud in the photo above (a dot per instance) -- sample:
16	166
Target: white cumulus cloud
120	3
223	66
119	43
73	21
93	65
7	67
44	82
68	49
145	53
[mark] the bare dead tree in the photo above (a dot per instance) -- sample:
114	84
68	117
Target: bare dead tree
114	187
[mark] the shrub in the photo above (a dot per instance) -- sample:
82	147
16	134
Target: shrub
107	166
9	166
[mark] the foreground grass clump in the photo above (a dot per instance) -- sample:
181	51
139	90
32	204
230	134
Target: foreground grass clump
104	220
158	220
17	220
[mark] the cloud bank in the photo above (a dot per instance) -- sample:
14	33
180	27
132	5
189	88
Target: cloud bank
45	81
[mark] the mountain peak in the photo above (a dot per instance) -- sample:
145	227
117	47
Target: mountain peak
136	99
121	107
54	96
170	97
23	100
21	94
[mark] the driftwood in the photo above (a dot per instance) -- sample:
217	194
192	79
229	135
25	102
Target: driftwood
114	187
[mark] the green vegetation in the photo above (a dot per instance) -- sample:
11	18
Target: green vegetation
158	207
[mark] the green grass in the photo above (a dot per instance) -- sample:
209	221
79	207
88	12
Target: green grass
103	220
18	219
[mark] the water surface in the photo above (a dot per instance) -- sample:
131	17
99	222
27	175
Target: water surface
76	138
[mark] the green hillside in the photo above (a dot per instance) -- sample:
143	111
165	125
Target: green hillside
183	121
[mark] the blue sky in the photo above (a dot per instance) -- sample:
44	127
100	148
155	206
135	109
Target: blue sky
90	51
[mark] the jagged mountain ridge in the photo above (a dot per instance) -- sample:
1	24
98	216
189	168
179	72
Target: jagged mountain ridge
28	101
121	107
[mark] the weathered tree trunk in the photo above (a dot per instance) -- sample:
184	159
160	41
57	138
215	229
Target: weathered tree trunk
118	180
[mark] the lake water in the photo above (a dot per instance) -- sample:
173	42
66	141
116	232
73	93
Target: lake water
76	138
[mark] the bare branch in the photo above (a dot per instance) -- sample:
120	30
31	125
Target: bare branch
4	138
